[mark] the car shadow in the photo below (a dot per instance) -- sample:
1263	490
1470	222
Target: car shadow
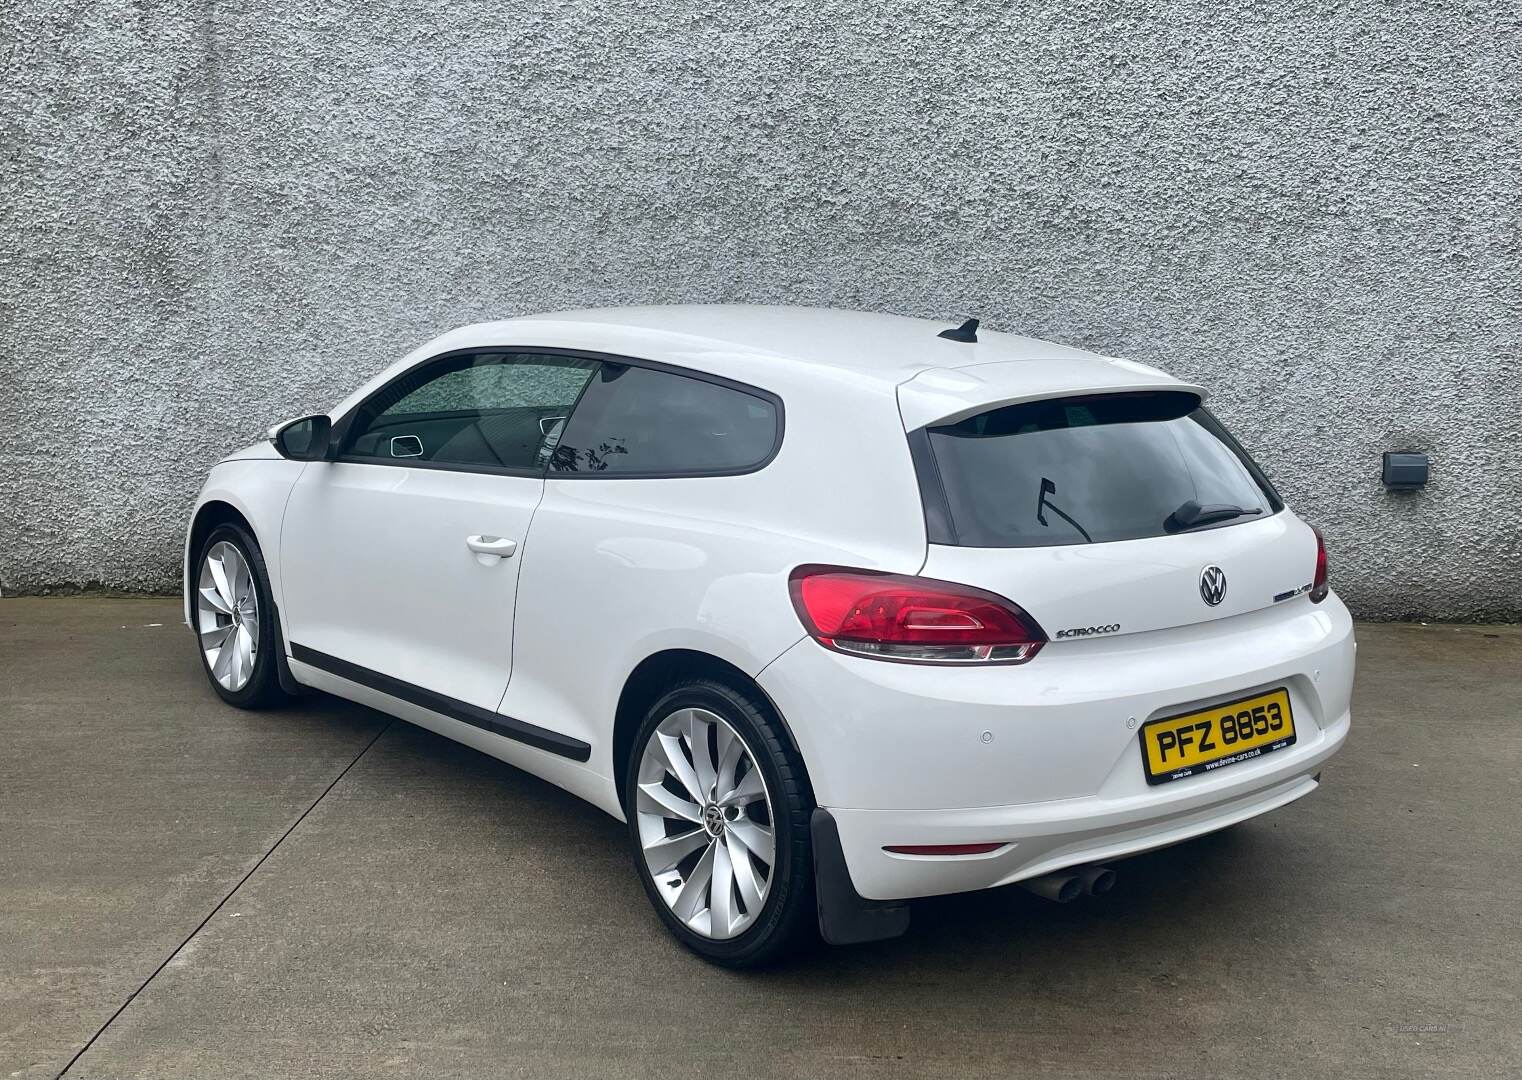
1166	906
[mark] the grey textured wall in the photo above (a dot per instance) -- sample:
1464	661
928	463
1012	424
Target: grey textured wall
217	215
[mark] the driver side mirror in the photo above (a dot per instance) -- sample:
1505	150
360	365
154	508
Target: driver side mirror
303	440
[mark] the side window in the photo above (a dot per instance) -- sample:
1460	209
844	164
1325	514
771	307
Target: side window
497	410
638	421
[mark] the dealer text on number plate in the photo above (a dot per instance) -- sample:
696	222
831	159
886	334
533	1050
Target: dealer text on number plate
1197	742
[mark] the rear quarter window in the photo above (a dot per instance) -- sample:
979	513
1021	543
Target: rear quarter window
638	421
1085	470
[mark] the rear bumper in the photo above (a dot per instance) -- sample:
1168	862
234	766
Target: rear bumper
1041	837
1043	758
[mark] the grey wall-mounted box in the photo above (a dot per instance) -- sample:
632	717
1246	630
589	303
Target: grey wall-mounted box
1405	470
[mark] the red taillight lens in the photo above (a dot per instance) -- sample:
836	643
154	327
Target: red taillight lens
1319	586
897	617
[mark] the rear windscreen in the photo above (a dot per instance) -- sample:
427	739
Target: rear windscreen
1086	470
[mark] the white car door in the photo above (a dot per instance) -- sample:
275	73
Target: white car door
400	554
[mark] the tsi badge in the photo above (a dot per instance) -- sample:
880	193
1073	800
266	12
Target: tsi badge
1212	585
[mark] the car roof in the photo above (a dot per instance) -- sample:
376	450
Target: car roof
894	346
780	347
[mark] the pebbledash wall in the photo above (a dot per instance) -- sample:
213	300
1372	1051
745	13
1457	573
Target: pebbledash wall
220	214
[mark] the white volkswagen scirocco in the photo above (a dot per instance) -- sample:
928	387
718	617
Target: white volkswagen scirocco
835	609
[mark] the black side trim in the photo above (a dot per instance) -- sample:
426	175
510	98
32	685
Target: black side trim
844	917
466	713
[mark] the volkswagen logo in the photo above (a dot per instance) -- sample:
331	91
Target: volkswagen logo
1212	585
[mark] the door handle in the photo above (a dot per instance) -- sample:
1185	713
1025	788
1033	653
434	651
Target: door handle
500	546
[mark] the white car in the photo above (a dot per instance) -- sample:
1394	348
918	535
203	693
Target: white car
835	609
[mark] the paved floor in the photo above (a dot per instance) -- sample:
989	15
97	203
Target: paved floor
191	891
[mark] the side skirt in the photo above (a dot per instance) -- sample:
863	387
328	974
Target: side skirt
541	738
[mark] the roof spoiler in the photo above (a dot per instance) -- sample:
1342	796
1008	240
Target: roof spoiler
946	395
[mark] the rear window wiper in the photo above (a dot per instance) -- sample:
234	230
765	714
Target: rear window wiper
1192	515
1043	504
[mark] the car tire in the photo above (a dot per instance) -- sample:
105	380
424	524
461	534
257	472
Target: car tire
785	918
237	612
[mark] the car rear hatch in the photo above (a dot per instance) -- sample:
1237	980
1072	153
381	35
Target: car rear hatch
1099	496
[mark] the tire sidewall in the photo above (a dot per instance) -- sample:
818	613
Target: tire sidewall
258	689
792	874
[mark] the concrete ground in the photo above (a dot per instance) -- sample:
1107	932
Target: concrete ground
191	891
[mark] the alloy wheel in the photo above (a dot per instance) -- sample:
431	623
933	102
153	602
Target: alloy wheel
705	823
227	616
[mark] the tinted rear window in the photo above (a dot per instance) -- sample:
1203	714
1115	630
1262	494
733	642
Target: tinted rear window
1089	470
643	422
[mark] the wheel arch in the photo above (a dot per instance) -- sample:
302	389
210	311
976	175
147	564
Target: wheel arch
658	671
208	516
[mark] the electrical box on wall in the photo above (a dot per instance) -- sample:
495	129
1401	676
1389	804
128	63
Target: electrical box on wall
1405	470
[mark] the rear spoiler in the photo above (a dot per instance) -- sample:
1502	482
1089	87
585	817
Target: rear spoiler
946	395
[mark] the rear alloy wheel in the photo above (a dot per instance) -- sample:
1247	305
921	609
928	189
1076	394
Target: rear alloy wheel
718	812
705	823
234	620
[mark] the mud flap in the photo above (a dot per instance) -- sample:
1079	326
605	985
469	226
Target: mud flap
283	673
844	917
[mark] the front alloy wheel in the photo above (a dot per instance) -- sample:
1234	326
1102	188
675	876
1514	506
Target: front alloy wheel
234	620
705	823
227	616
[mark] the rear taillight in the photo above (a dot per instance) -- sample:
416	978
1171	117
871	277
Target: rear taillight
897	617
1319	586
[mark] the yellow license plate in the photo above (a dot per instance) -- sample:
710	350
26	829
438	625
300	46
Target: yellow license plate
1210	739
